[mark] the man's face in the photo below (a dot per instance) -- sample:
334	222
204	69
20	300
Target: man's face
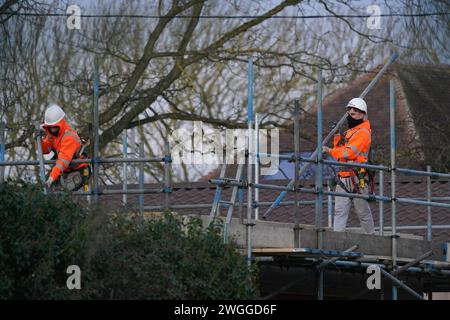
355	113
54	130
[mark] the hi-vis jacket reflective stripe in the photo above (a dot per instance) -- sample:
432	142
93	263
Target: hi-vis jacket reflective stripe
66	144
355	147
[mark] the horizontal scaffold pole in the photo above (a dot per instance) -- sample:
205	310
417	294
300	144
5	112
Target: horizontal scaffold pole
100	160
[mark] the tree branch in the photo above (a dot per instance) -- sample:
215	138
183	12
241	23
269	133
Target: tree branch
177	70
124	96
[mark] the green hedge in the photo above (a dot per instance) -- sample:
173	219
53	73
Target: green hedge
119	257
39	237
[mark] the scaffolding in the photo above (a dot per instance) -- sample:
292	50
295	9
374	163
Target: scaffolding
316	159
252	185
95	161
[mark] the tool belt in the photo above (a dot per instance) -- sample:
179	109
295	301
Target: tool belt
74	180
359	178
77	174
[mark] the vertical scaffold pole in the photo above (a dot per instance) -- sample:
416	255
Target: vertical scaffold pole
167	175
2	149
429	230
95	131
124	167
319	184
330	206
249	166
319	165
393	182
256	157
381	203
41	158
141	179
297	229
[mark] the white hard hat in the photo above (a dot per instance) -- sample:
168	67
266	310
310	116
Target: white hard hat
53	115
358	103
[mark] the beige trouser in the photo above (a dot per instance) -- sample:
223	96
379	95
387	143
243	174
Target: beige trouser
342	208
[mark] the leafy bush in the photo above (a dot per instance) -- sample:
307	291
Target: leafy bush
120	257
39	237
166	259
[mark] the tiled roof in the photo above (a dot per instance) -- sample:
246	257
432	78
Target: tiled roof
428	96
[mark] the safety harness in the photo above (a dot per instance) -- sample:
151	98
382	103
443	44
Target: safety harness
360	175
81	180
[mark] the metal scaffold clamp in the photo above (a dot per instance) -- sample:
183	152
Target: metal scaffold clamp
168	190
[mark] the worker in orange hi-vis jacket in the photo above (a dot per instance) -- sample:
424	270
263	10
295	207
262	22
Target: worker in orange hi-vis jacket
353	146
66	145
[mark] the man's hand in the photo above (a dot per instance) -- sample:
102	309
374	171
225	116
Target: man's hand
49	182
38	133
326	149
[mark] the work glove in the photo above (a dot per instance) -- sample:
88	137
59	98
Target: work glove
39	133
49	182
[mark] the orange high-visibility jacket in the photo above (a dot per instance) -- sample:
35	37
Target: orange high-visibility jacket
355	147
65	145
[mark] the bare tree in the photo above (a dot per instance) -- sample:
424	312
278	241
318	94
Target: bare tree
182	66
